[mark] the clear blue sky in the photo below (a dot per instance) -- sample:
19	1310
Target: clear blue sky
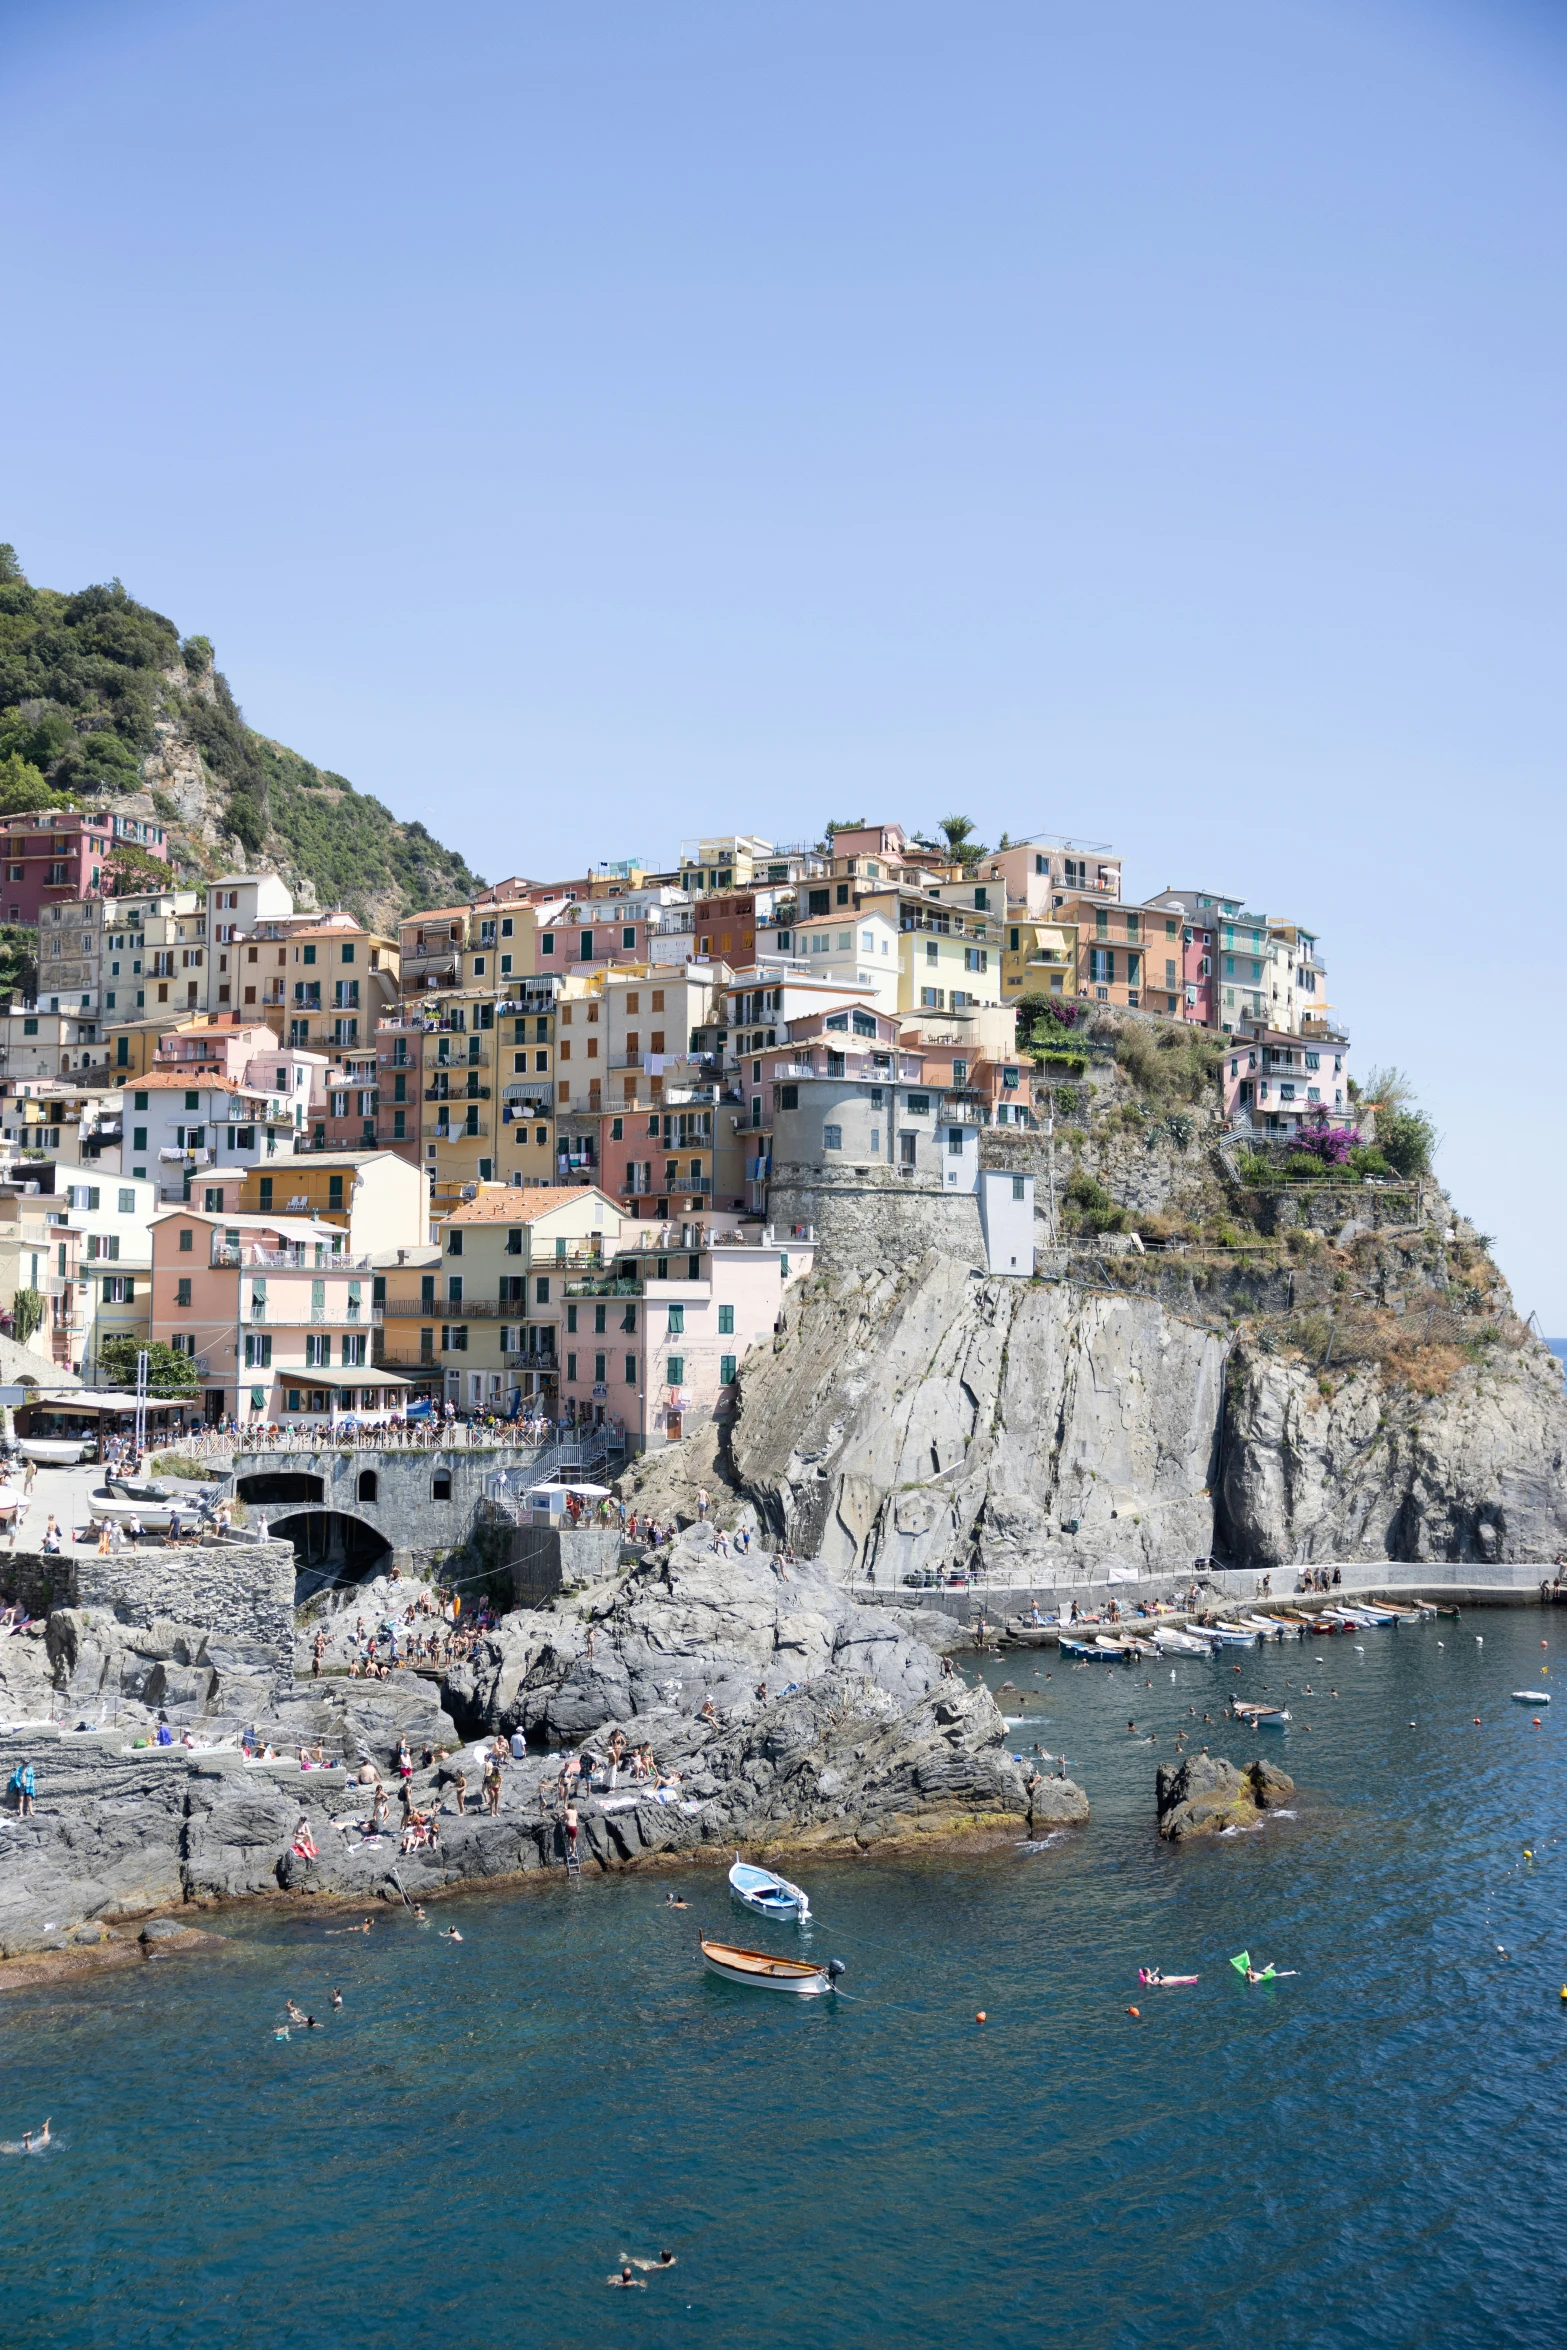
586	426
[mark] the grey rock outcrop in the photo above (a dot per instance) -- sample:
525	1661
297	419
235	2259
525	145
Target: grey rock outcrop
934	1419
779	1713
708	1627
1204	1794
1374	1470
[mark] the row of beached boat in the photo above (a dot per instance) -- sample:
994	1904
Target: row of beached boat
1128	1642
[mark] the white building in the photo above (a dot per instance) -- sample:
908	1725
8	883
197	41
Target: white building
177	1130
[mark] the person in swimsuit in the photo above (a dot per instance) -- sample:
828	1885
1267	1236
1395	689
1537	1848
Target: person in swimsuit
626	2278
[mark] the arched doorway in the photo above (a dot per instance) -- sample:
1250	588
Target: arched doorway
331	1548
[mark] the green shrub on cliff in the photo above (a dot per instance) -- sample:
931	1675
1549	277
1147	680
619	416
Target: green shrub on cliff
1405	1135
1169	1062
1089	1207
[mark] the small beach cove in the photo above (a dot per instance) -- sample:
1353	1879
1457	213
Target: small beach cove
1301	2156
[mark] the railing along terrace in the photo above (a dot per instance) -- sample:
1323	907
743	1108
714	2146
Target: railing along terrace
321	1258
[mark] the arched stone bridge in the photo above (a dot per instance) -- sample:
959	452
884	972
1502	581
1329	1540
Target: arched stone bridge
412	1503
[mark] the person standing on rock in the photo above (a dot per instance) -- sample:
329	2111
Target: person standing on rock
23	1788
701	1501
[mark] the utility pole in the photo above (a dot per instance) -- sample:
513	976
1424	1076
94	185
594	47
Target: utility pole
1050	1173
142	1361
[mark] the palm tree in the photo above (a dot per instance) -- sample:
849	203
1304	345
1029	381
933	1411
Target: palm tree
959	831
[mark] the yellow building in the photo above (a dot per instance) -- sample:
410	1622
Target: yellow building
1038	958
481	1312
338	980
133	1043
377	1197
949	955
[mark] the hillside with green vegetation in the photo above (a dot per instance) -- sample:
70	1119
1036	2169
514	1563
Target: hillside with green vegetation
104	704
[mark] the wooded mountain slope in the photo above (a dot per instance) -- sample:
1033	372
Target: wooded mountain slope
103	702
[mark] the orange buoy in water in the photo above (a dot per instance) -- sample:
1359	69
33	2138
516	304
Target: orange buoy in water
979	2019
1477	1721
1137	2011
1537	1721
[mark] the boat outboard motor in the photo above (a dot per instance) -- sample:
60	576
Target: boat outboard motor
835	1968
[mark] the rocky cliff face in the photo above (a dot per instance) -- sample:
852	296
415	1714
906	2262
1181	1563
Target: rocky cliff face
1374	1469
927	1420
925	1417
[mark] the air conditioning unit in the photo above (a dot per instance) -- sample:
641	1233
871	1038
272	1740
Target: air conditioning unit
470	1191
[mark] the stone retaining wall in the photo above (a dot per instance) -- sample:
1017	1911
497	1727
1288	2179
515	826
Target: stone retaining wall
873	1216
244	1590
404	1509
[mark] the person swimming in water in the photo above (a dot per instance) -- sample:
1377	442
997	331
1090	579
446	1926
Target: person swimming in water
673	1901
296	2014
337	1999
664	2260
626	2278
451	1935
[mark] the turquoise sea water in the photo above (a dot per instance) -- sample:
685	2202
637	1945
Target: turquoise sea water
1370	2153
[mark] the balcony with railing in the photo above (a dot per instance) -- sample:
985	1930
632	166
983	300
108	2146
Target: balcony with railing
462	1130
448	1309
304	1256
288	1314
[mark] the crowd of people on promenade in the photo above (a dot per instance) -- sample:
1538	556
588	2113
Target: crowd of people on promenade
439	1430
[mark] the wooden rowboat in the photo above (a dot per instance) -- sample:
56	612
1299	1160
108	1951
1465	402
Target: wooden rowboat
803	1976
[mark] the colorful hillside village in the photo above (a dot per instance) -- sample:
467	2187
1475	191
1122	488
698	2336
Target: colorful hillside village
525	1158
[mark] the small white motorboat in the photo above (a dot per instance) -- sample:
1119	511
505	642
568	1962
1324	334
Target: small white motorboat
769	1895
152	1506
55	1452
1179	1643
1531	1697
1231	1635
758	1968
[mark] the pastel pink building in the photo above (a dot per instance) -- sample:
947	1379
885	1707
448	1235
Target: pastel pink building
274	1312
654	1340
1275	1083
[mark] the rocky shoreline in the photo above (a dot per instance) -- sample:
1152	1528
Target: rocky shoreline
781	1716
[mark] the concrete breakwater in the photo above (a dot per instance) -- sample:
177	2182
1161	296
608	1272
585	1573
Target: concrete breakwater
1450	1582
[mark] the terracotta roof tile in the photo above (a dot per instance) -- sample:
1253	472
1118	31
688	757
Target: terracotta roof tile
515	1203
